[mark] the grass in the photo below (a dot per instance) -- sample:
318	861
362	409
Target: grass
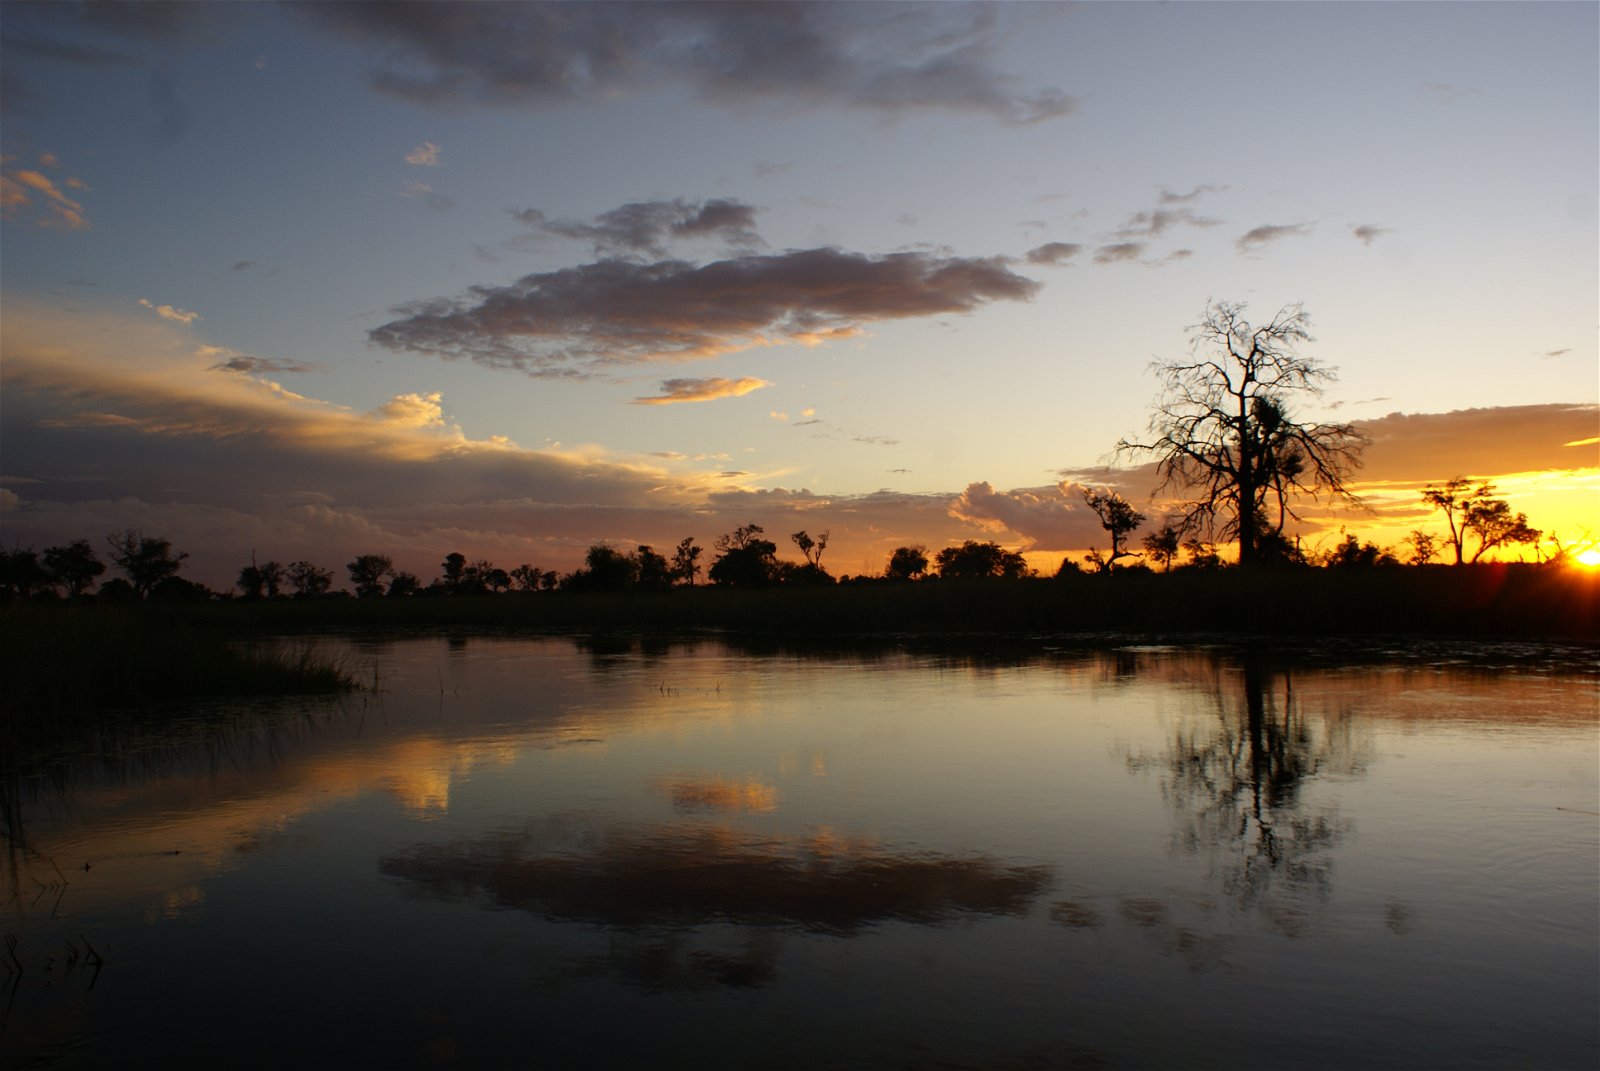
61	659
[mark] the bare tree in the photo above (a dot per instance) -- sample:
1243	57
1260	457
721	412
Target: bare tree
147	560
1223	430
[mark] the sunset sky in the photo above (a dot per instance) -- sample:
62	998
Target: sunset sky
311	281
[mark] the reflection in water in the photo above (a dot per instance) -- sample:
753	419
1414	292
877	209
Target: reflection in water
720	794
700	857
666	876
1235	780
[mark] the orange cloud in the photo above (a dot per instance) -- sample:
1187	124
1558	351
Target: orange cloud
32	196
674	391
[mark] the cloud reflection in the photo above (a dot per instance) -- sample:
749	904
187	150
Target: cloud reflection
653	876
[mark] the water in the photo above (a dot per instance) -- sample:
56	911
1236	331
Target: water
541	852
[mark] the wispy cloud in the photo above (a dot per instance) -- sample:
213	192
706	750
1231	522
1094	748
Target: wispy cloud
29	195
1367	233
168	312
643	228
420	190
228	360
1119	252
1170	198
573	320
1053	253
884	58
674	391
1259	237
424	155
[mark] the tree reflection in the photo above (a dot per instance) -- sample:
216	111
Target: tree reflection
1236	781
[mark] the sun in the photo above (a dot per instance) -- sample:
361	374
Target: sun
1590	558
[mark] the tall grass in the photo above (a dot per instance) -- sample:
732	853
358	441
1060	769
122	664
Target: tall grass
58	659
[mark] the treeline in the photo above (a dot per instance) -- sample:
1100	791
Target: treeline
1477	522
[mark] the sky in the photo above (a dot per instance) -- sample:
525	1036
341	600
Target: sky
307	281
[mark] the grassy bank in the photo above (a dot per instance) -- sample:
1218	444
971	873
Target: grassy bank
57	659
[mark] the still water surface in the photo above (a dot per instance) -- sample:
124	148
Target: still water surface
543	852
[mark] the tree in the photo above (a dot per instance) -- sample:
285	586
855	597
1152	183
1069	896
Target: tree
1117	517
367	573
1477	513
653	569
403	584
146	560
686	561
455	572
810	548
73	566
1223	429
526	577
907	563
261	581
979	560
1162	545
309	581
21	574
1491	520
744	560
605	569
1424	545
1353	554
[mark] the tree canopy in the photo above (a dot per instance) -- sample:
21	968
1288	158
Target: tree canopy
1224	431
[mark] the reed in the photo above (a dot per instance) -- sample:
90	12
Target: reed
57	659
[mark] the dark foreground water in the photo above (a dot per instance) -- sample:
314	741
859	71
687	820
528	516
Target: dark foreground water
539	853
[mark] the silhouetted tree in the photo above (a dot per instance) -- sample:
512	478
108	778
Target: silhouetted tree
1117	517
1202	555
686	561
907	563
1478	513
260	581
605	569
653	570
745	560
402	584
1162	545
367	573
1352	553
1223	428
21	574
455	572
811	548
525	577
981	560
146	560
1424	545
177	589
73	566
309	581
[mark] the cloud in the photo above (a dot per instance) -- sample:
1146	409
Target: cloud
1170	198
29	195
228	360
167	312
424	155
643	228
425	193
1118	252
886	58
1158	221
1367	233
242	265
569	321
412	411
674	391
1044	518
1433	447
1053	253
1267	233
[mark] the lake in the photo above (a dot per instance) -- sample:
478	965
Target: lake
560	852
